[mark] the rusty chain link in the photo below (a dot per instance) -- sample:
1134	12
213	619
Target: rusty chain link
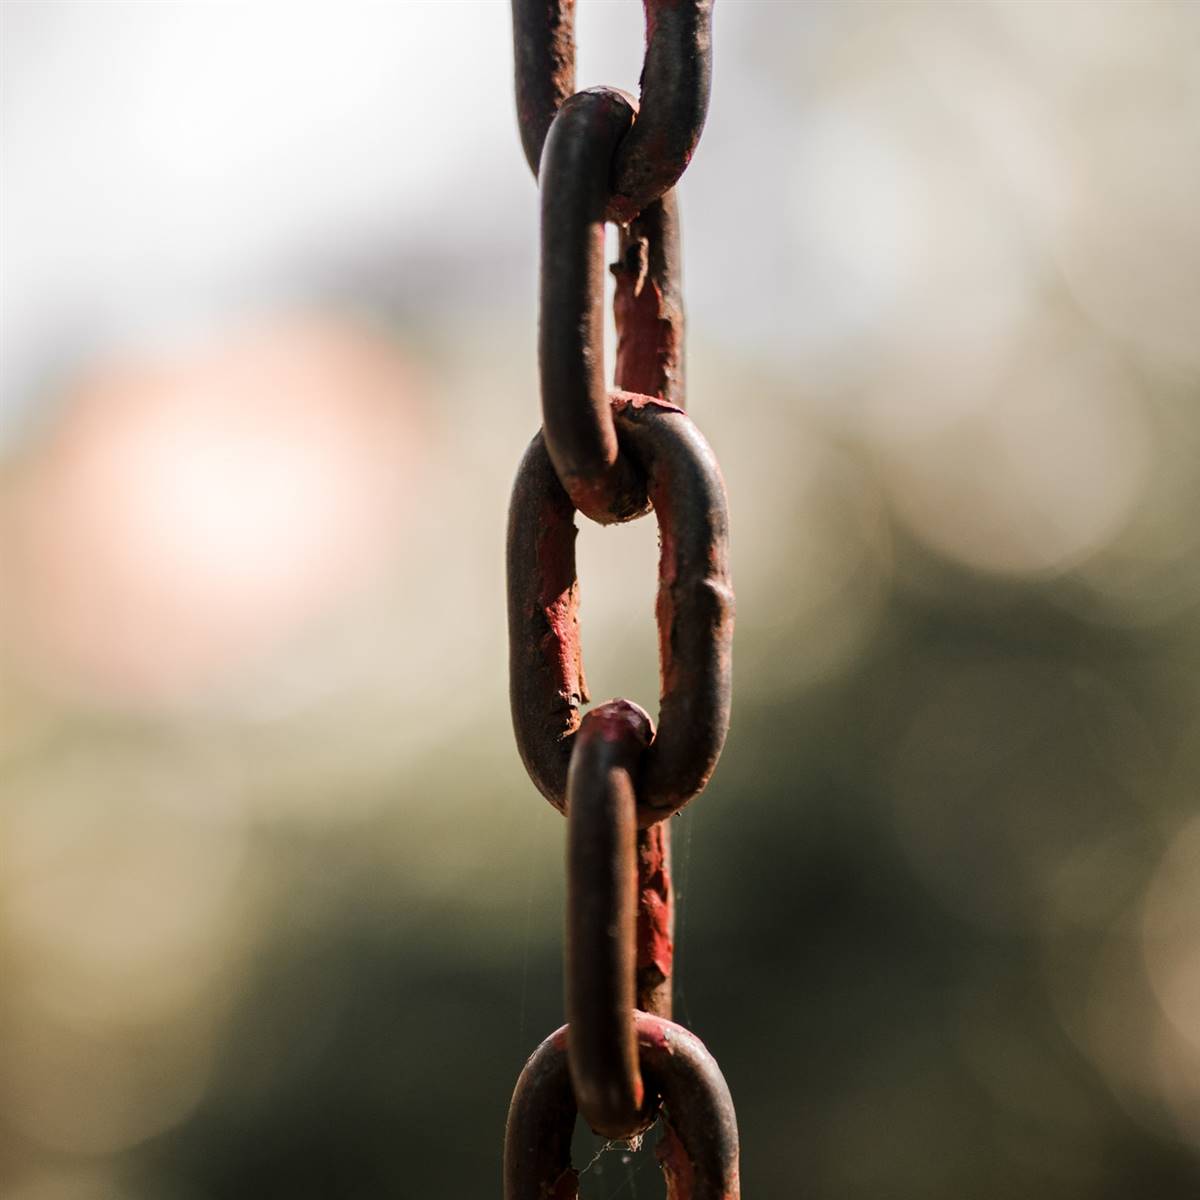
676	75
619	1061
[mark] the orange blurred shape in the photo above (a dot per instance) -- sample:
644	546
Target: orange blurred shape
186	515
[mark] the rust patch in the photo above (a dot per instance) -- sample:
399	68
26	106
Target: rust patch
655	920
648	338
676	1165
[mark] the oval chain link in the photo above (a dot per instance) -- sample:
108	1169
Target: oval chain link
694	611
699	1149
619	1062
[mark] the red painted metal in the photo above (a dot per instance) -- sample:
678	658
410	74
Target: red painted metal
694	611
655	919
612	456
546	684
648	304
698	1150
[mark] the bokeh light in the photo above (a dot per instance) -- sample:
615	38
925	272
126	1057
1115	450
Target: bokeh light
187	513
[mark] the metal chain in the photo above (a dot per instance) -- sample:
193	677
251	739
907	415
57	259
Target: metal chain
620	1061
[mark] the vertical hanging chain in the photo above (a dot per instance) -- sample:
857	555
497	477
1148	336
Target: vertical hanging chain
620	1061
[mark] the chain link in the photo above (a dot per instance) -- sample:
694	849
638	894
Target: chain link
699	1148
620	1062
676	75
694	610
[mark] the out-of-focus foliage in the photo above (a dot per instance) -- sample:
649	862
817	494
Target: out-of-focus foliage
280	915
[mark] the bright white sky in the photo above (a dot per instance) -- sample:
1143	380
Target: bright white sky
167	163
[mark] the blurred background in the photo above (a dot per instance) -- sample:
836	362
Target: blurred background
280	913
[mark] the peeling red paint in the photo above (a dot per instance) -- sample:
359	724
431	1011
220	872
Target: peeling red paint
625	402
694	610
649	324
558	601
655	920
676	1165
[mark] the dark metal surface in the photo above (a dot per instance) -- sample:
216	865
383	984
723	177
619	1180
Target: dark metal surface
698	1151
648	307
544	67
612	456
541	1122
694	611
675	85
695	605
602	897
576	414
